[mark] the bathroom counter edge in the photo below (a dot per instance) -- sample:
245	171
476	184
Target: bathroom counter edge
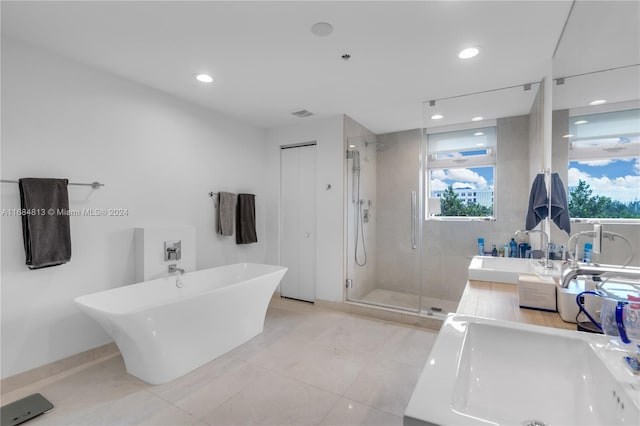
500	301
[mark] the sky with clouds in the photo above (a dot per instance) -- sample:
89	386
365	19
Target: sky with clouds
616	178
475	178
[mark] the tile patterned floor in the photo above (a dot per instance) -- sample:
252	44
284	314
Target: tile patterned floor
309	367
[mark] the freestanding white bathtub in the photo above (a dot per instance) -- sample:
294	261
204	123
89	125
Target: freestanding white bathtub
164	331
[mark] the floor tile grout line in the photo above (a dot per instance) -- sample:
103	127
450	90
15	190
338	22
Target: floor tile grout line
285	377
230	396
213	379
376	408
150	396
184	411
330	410
363	364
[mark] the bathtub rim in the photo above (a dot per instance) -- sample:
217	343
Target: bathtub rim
143	307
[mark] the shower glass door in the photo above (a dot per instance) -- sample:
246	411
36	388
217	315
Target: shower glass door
384	220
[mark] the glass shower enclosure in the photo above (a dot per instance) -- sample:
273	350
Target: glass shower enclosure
385	212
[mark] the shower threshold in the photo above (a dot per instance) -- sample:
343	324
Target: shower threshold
408	302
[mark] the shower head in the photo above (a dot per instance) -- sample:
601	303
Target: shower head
379	146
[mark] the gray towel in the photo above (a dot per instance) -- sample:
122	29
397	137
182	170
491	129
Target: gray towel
46	232
246	219
559	208
226	203
538	203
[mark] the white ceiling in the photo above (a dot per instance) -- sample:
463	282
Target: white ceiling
600	35
266	62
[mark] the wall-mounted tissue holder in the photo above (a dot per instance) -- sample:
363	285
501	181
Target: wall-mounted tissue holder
172	250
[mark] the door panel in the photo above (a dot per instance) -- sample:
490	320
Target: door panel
386	190
307	194
298	222
289	222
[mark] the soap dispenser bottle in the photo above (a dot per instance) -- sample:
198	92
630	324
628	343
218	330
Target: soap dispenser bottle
588	249
513	248
494	252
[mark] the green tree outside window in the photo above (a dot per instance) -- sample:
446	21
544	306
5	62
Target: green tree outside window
585	205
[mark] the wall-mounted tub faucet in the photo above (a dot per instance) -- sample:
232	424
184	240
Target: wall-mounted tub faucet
173	250
174	268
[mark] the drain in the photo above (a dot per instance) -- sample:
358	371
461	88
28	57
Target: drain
533	423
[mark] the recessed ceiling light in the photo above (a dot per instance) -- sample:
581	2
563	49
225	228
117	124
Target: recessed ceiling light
352	146
598	102
478	118
322	29
204	78
478	134
479	144
469	52
568	136
581	122
437	116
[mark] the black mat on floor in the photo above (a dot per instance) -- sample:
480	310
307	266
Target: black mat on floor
24	409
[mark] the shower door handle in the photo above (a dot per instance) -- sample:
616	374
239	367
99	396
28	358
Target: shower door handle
414	198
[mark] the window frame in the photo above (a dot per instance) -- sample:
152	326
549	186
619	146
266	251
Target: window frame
596	154
433	164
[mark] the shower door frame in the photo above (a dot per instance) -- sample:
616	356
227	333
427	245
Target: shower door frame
417	218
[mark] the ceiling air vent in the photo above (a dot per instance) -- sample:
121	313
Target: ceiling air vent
302	113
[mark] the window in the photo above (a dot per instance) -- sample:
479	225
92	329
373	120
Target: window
461	173
604	165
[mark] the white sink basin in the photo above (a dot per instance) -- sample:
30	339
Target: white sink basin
507	269
483	371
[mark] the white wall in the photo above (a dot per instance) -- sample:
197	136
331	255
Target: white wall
328	135
158	157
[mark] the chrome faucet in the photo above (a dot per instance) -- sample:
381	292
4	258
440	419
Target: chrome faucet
545	261
598	271
174	268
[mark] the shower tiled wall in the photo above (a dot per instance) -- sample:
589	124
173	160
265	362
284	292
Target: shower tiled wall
447	245
397	263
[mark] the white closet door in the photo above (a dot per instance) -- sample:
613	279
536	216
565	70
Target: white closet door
289	221
298	222
307	197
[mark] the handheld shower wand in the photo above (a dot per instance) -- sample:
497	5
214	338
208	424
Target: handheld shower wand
355	198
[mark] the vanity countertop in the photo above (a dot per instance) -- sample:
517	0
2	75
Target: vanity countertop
500	301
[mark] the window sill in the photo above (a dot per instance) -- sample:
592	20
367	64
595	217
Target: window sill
605	221
461	219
